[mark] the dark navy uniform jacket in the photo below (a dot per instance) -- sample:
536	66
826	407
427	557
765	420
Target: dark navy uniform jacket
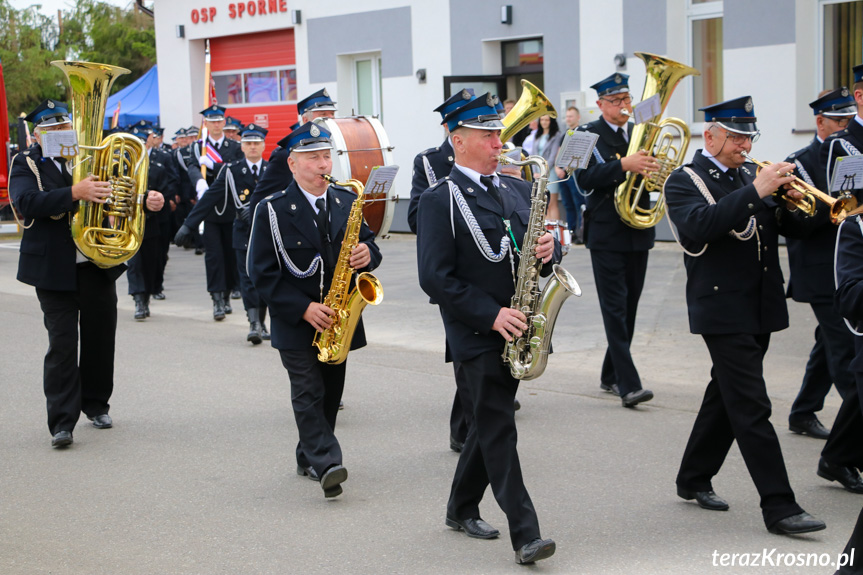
286	295
849	281
842	143
734	286
277	178
469	289
230	152
185	187
219	197
48	254
604	229
811	257
159	179
440	161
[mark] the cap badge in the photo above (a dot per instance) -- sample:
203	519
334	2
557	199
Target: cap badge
491	100
465	95
748	106
327	94
845	92
50	104
314	131
618	79
214	108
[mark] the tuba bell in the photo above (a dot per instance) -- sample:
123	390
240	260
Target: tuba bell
531	105
107	234
658	139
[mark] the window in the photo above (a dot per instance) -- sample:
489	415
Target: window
367	85
705	51
522	57
842	42
256	87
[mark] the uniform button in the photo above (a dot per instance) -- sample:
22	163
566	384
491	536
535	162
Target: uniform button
751	206
715	288
765	268
299	243
765	248
760	227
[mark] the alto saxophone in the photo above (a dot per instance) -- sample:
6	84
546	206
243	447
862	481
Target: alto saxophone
528	355
334	343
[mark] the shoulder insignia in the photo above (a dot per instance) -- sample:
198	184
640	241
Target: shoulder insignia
450	159
293	207
338	201
792	155
470	190
745	169
714	173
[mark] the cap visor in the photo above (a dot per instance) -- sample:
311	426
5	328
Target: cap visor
314	146
487	125
745	128
841	112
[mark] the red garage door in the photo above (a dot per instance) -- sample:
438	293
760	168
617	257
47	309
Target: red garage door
255	77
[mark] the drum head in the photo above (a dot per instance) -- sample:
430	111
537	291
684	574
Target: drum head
361	144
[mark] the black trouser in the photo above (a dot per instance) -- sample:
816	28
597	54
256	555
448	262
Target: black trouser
166	236
619	280
489	455
143	268
828	363
462	411
736	406
845	444
316	390
855	547
73	385
219	258
251	299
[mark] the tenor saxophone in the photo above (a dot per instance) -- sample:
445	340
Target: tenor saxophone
334	343
528	355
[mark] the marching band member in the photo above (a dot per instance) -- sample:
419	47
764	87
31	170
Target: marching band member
219	259
618	252
811	281
842	455
296	238
279	177
76	295
729	222
232	187
461	269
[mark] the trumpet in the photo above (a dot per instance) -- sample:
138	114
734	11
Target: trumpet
839	207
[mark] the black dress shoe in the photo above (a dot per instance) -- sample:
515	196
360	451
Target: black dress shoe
473	527
199	251
633	398
455	444
534	551
308	472
102	421
235	294
612	388
516	405
159	296
847	476
341	404
811	427
705	499
800	523
61	439
332	479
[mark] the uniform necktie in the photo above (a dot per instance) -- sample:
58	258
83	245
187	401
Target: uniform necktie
734	176
255	173
488	182
322	218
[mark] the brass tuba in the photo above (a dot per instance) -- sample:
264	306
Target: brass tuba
657	138
531	105
528	355
107	234
334	343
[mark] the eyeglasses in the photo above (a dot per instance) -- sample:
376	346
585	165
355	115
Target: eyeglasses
841	122
618	101
740	139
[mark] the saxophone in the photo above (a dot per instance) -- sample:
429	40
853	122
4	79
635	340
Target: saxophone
528	355
334	343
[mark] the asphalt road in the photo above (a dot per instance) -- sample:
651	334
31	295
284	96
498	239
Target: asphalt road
198	474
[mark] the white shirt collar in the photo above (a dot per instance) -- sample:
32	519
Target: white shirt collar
859	119
475	176
313	198
615	127
710	157
219	141
258	163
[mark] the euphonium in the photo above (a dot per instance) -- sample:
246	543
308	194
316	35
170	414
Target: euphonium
528	355
334	343
107	234
839	207
657	139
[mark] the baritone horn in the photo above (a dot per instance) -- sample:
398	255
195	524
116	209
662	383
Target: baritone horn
107	234
659	138
839	207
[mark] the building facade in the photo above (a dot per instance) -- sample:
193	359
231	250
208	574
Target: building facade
398	60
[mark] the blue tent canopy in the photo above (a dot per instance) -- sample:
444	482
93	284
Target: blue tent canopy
138	101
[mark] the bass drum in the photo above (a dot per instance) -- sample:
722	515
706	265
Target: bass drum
361	144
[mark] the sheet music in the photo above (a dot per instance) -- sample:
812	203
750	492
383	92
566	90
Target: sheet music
61	143
646	110
575	150
381	180
847	174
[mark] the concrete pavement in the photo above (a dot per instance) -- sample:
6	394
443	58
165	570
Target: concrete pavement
198	474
